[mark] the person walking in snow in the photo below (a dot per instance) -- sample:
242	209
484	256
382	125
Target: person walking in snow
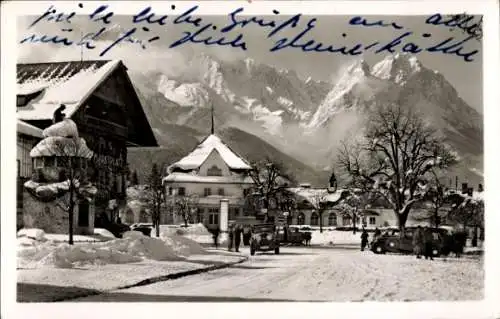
418	242
230	237
364	239
428	238
216	234
237	237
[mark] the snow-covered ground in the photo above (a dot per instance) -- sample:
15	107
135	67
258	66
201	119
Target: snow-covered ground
323	274
36	249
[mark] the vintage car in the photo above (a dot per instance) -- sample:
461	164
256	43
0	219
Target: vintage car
264	238
293	235
391	241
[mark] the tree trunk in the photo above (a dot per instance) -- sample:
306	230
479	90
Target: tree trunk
402	218
354	224
474	237
71	213
157	226
320	222
436	218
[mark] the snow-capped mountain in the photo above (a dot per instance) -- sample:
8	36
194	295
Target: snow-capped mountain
244	90
304	117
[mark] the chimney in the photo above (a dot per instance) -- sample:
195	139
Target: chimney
464	188
480	188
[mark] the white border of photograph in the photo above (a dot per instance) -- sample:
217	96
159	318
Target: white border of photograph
488	308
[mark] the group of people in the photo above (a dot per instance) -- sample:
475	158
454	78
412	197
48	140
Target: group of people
235	234
422	242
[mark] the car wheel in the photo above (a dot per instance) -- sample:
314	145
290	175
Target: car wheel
435	252
378	249
277	250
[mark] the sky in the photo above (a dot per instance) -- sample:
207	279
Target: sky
466	77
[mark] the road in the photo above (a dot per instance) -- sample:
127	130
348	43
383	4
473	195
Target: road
320	274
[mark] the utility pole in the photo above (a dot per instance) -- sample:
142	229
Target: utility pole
212	111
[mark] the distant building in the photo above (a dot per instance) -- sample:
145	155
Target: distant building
27	137
214	174
100	98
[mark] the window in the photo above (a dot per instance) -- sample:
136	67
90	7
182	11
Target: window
18	168
170	189
346	220
372	221
38	162
332	219
246	192
214	171
213	216
182	191
314	219
221	191
207	192
300	219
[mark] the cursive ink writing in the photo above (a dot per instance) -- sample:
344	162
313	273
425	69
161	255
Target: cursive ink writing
380	23
51	14
295	32
464	22
243	22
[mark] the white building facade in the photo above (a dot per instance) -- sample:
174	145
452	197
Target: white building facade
216	177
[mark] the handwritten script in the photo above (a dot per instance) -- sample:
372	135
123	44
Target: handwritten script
232	33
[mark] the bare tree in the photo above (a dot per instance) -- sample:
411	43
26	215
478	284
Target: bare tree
185	207
318	201
354	205
155	197
395	157
436	197
466	211
270	185
71	156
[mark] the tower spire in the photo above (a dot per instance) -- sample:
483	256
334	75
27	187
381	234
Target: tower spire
212	110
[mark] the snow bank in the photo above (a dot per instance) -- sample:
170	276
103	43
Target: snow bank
103	232
335	237
34	233
133	247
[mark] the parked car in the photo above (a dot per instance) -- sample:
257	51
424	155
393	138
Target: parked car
294	236
264	238
391	241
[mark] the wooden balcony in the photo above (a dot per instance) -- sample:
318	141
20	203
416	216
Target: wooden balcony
106	127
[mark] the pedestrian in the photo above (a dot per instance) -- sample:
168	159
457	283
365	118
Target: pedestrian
237	237
418	242
428	238
364	239
230	237
216	233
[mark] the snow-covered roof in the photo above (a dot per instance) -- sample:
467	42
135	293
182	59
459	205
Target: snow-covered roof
27	129
196	158
69	83
313	195
61	146
192	178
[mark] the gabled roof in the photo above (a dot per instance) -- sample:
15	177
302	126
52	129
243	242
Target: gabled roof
313	195
212	143
69	83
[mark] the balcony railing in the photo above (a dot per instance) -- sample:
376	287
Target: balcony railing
105	126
